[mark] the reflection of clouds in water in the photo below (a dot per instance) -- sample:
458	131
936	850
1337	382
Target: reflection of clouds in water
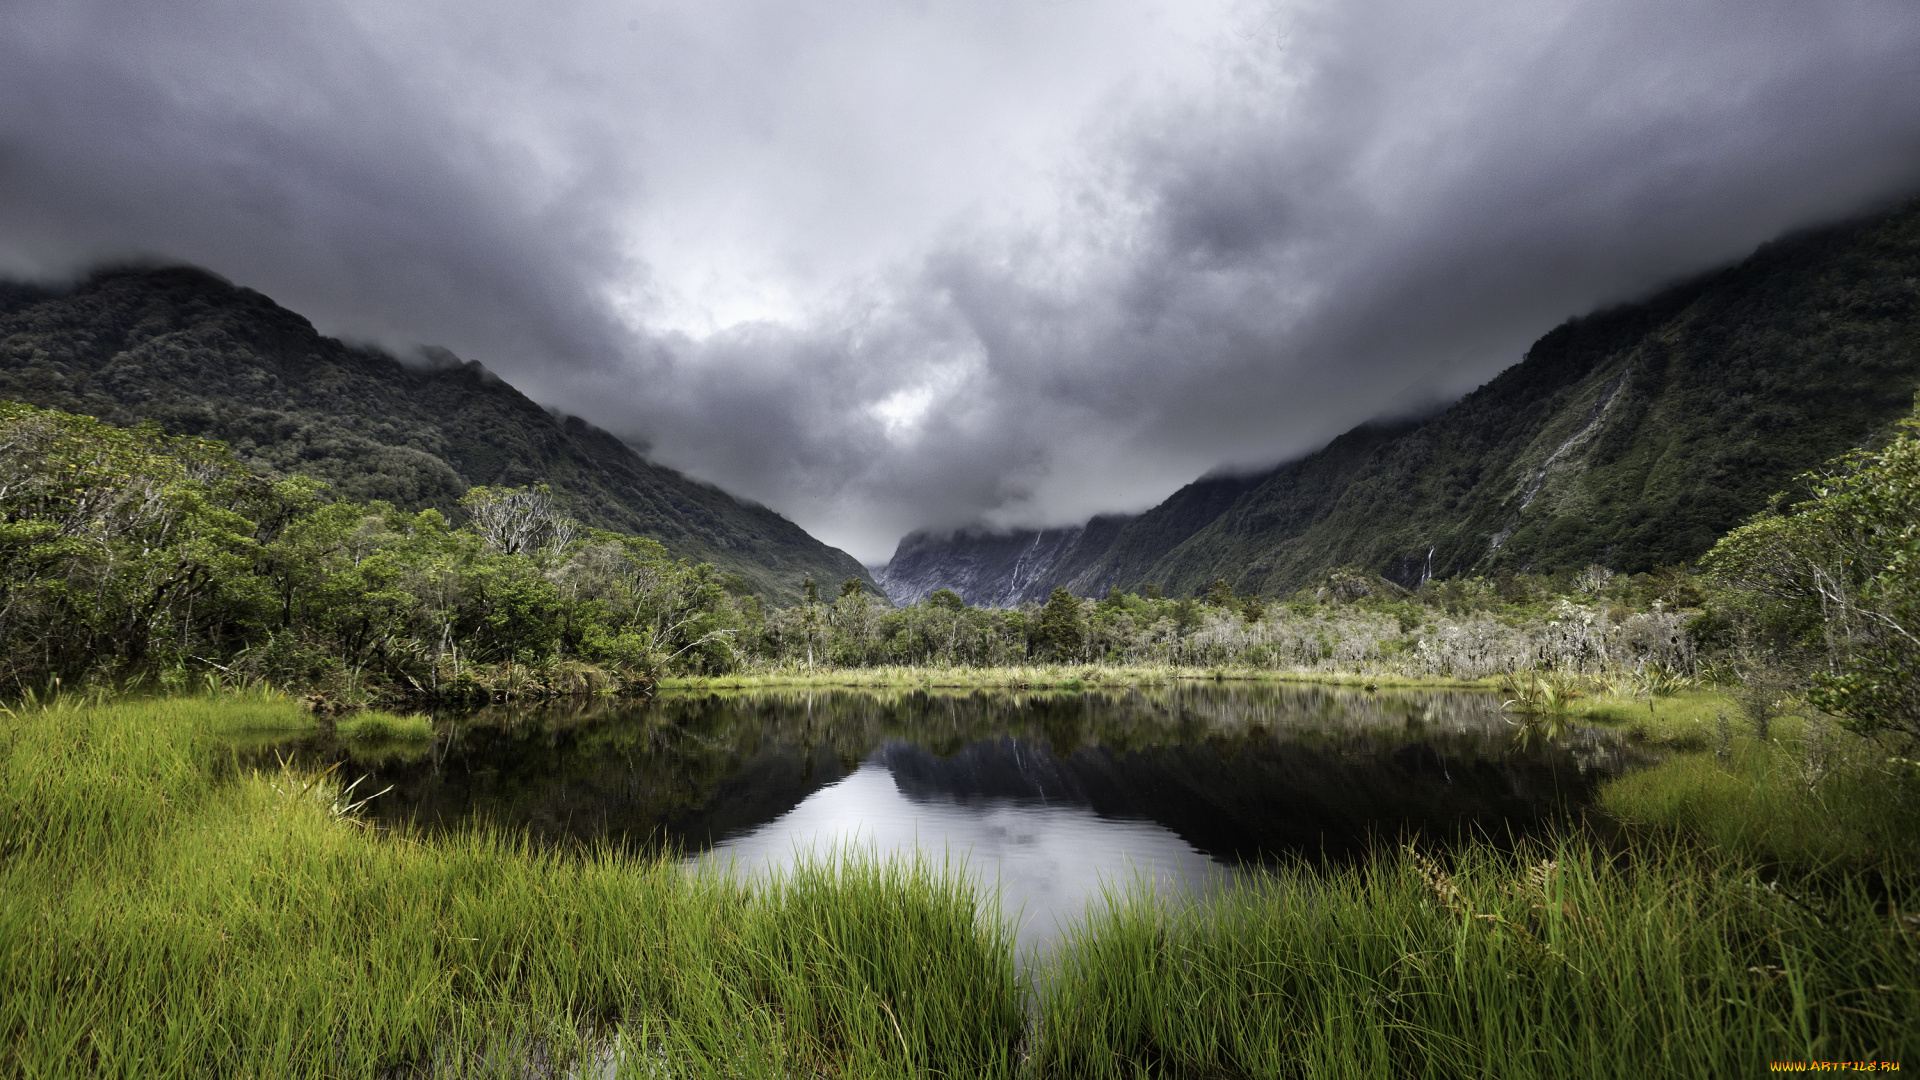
1049	861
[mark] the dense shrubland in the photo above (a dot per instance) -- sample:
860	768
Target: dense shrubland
1466	629
127	554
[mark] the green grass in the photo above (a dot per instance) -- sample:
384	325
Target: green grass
1811	795
1548	963
374	726
1842	807
167	912
1687	720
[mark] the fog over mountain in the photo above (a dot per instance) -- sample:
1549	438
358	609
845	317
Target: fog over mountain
896	264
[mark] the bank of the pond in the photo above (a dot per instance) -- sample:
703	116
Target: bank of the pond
1067	677
165	912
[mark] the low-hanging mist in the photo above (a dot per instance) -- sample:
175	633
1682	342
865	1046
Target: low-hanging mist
889	266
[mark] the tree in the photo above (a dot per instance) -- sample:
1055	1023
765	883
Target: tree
519	521
1253	609
1060	633
116	542
947	599
1846	565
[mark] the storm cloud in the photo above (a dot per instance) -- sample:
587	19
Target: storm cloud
890	264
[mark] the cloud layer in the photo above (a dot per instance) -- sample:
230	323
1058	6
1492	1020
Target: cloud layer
887	264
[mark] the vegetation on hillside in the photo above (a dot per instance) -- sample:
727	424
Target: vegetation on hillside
1833	584
1631	438
128	554
200	357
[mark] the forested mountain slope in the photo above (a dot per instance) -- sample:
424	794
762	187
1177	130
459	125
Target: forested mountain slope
1632	437
200	356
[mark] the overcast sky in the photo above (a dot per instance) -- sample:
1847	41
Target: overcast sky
891	264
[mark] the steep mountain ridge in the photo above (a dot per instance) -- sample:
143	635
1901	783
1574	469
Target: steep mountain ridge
1008	568
200	356
1632	437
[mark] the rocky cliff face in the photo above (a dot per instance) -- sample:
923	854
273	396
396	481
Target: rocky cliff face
1006	569
1631	438
992	569
199	356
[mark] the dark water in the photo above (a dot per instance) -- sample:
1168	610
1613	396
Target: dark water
1048	796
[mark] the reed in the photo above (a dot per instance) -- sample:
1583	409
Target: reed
1551	961
1810	797
374	726
166	913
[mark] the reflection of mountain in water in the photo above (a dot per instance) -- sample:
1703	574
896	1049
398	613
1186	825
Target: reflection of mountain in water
1262	797
1236	771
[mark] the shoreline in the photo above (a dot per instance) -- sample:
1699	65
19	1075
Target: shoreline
1068	677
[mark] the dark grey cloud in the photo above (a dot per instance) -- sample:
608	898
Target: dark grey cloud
886	264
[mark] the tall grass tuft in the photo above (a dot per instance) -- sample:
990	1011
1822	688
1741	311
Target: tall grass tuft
1550	962
374	726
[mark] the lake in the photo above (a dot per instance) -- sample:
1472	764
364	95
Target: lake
1051	797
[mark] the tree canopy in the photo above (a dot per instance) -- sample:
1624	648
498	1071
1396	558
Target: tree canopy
1841	571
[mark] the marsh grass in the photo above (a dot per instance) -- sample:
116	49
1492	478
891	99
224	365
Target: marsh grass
374	726
1807	794
1808	798
1686	719
166	913
1550	961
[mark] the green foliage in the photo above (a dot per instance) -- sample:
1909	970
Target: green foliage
1805	797
373	725
1551	961
1840	571
947	599
1060	632
125	552
198	356
169	915
1457	629
1219	594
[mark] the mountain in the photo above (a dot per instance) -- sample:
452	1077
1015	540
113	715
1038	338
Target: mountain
1632	437
1005	569
200	356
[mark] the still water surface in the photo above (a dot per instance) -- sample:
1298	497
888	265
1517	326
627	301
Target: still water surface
1049	797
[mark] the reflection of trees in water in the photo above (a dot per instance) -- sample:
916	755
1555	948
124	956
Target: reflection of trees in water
1249	766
